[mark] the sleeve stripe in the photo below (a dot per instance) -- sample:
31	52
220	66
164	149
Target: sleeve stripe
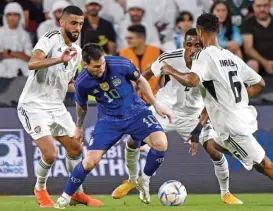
170	53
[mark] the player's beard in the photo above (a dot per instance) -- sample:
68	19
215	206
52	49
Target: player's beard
70	36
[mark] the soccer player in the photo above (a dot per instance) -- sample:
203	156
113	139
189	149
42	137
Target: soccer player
120	111
228	83
185	105
41	110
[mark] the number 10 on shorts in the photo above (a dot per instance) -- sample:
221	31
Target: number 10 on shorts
150	120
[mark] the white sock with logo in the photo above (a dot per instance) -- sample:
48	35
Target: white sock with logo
222	174
131	160
42	174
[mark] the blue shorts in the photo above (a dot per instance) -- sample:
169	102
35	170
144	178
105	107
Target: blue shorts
108	133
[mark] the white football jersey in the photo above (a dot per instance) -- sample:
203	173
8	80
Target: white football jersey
186	101
225	77
47	88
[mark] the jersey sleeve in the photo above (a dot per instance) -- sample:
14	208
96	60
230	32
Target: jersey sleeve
247	74
45	44
81	96
156	68
200	66
133	73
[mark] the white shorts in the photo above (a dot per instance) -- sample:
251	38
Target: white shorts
244	148
43	123
184	126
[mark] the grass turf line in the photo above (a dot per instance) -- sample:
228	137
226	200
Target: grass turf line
252	202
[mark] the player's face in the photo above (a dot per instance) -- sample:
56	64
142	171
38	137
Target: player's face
221	12
96	67
261	9
72	25
93	9
136	14
192	44
13	19
133	40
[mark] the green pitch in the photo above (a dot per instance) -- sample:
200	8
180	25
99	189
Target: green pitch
252	202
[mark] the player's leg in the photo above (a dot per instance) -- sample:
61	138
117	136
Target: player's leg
64	133
132	154
221	171
104	137
147	128
265	167
36	125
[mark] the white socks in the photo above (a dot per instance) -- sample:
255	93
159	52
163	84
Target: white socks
42	174
71	164
131	159
222	174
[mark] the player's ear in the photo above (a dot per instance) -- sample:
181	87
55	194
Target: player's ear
84	64
62	21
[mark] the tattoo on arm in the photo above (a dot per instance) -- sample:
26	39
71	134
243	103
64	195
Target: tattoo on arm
81	112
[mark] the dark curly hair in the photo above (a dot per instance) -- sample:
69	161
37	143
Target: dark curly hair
208	22
227	23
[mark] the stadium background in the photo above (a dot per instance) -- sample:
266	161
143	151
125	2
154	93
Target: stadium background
19	155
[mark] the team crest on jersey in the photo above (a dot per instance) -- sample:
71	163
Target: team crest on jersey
116	82
104	86
37	129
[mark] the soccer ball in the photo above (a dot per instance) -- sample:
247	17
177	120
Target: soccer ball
172	193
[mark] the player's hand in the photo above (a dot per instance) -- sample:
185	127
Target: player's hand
79	134
68	54
194	146
162	112
166	68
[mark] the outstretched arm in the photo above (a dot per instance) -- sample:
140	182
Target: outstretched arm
186	79
255	89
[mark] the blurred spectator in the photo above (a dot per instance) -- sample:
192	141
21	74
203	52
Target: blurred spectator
184	22
140	54
229	35
240	9
54	22
136	10
15	44
271	7
107	12
257	32
163	17
195	7
107	35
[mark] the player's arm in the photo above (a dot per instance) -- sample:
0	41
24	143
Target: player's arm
39	60
254	82
71	86
187	79
148	73
255	89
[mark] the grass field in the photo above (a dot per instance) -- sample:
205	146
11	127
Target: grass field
252	202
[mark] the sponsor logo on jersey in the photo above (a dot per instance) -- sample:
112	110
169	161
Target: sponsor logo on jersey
13	162
116	82
104	86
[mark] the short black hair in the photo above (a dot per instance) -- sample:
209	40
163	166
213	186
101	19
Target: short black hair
208	22
182	15
191	32
91	51
138	29
72	10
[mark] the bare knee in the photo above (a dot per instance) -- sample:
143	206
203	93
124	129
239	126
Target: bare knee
265	167
91	160
211	148
158	141
75	151
49	156
131	144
